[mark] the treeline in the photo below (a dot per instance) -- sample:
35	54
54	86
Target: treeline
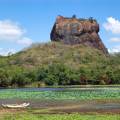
60	74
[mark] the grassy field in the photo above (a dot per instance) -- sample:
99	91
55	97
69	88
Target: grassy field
28	116
67	94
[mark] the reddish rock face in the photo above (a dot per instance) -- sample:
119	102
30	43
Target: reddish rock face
77	31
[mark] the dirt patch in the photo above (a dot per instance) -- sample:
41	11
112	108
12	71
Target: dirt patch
84	110
10	111
63	107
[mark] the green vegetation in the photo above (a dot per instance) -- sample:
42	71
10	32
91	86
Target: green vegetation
28	116
67	94
58	64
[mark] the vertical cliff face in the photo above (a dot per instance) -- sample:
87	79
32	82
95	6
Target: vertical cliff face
77	31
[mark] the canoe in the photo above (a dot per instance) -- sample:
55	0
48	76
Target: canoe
24	105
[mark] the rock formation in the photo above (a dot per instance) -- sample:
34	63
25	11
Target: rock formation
77	31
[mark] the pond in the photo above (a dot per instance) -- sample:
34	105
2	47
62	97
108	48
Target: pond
61	93
66	99
67	88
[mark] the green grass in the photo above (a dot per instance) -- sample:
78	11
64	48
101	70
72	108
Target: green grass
54	52
69	94
60	117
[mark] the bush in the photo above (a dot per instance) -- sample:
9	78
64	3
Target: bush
5	80
57	74
21	80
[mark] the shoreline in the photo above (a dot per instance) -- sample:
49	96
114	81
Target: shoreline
69	106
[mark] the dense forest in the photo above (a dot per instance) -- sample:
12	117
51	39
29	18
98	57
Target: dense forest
58	64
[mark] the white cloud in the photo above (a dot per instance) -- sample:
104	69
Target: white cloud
115	49
13	32
112	25
115	39
5	52
25	41
10	30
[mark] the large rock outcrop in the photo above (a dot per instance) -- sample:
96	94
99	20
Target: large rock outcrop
77	31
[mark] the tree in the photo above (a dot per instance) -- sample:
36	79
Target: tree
4	79
74	16
91	19
21	80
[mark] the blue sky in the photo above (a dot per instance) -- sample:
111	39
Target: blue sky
23	22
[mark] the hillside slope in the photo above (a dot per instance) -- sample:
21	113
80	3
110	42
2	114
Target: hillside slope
54	52
55	63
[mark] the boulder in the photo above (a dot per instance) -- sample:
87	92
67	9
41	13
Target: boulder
74	31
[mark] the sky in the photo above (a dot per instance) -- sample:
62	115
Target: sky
24	22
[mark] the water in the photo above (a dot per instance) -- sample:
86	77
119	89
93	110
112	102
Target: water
47	97
68	88
106	106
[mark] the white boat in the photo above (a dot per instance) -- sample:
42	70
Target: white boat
23	105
